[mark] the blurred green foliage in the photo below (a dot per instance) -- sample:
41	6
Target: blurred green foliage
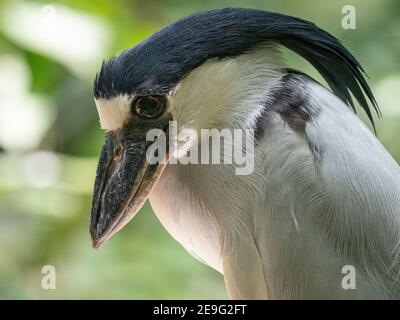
50	140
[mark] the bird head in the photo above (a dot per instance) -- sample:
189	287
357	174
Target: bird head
208	70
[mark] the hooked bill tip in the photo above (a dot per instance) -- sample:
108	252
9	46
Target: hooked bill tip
95	244
97	240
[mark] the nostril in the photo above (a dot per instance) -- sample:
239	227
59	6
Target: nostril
115	161
118	153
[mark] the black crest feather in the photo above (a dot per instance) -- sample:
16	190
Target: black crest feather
162	60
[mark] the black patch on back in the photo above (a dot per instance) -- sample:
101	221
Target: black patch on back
158	63
289	99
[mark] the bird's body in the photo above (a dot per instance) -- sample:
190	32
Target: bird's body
298	219
324	193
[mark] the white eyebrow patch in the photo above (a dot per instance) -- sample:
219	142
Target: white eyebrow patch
113	112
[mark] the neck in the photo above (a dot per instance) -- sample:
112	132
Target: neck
227	93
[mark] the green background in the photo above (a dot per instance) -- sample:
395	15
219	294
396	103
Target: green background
50	140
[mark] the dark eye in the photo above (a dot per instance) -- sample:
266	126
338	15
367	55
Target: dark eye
149	107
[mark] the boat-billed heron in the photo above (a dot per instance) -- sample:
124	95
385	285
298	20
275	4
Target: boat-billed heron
323	195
